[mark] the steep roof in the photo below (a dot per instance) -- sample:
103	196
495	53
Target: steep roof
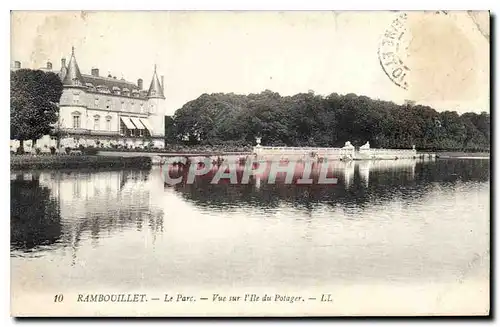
109	82
73	76
62	72
155	89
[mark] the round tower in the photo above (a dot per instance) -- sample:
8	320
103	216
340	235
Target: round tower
157	110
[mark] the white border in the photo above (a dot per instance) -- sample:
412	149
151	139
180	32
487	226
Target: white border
492	5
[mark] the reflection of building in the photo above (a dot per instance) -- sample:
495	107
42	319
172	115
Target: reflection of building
102	202
364	171
98	110
348	171
81	193
401	166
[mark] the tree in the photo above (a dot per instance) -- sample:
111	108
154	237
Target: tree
34	98
307	119
169	130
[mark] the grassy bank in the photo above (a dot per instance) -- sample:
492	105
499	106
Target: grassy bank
73	162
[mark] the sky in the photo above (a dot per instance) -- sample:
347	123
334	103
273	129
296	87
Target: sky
286	52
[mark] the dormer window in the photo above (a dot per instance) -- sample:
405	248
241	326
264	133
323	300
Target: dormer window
126	92
116	90
90	86
102	88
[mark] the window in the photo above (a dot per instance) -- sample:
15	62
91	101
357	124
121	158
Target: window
108	105
152	109
96	102
76	98
123	105
108	123
97	122
76	121
142	107
123	130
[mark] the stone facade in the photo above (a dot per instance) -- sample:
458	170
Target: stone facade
105	111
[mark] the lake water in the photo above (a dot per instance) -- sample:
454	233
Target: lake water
404	222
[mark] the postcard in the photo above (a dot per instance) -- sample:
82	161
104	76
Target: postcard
250	163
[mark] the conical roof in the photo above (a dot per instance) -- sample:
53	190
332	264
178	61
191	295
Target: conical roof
155	89
62	72
73	76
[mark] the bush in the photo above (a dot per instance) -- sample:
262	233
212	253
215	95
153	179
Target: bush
38	150
68	150
52	150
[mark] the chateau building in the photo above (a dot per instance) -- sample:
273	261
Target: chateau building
101	111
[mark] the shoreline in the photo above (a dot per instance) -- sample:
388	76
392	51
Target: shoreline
145	160
461	154
21	162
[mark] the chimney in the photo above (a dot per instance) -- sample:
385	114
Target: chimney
17	64
139	83
49	65
95	72
162	88
63	63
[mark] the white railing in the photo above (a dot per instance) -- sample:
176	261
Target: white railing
284	152
345	152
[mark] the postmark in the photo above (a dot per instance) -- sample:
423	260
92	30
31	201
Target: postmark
392	51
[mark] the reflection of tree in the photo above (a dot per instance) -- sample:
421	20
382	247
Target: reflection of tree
35	217
455	170
384	186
